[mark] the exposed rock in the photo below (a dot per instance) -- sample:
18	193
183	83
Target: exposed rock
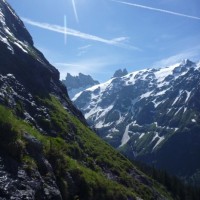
75	84
15	183
120	73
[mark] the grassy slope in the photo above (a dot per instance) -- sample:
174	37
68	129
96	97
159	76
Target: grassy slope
85	166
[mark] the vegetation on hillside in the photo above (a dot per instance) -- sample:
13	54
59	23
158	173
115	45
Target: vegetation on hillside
85	166
178	189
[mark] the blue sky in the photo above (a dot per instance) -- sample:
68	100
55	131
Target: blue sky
97	37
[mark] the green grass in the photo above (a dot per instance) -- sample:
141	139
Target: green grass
98	171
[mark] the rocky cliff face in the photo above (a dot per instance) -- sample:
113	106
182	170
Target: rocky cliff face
75	84
152	115
120	73
46	150
17	49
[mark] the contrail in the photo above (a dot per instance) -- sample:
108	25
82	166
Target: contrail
158	10
75	11
65	30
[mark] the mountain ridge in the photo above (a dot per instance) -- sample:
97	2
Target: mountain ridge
75	84
120	73
141	112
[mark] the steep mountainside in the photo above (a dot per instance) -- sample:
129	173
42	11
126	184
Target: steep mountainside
46	150
152	115
75	84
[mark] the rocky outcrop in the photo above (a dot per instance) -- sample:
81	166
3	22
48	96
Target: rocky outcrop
76	84
120	73
19	182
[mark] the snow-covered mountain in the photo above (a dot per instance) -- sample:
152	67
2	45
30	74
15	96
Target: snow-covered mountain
151	114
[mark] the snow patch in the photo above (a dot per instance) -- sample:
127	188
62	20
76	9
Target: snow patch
12	11
178	111
164	72
177	98
155	137
10	76
156	104
159	141
193	120
114	130
188	96
7	30
109	136
102	86
21	47
141	135
145	95
73	92
130	78
4	40
169	109
161	93
125	137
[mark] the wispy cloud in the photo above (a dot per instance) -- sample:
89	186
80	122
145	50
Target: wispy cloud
83	49
75	10
193	54
158	10
59	29
164	37
121	39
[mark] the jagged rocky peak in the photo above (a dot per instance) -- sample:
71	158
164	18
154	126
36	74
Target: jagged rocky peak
79	81
187	62
75	84
184	66
120	73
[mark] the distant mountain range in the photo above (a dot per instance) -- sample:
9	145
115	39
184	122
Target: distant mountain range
152	115
76	84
